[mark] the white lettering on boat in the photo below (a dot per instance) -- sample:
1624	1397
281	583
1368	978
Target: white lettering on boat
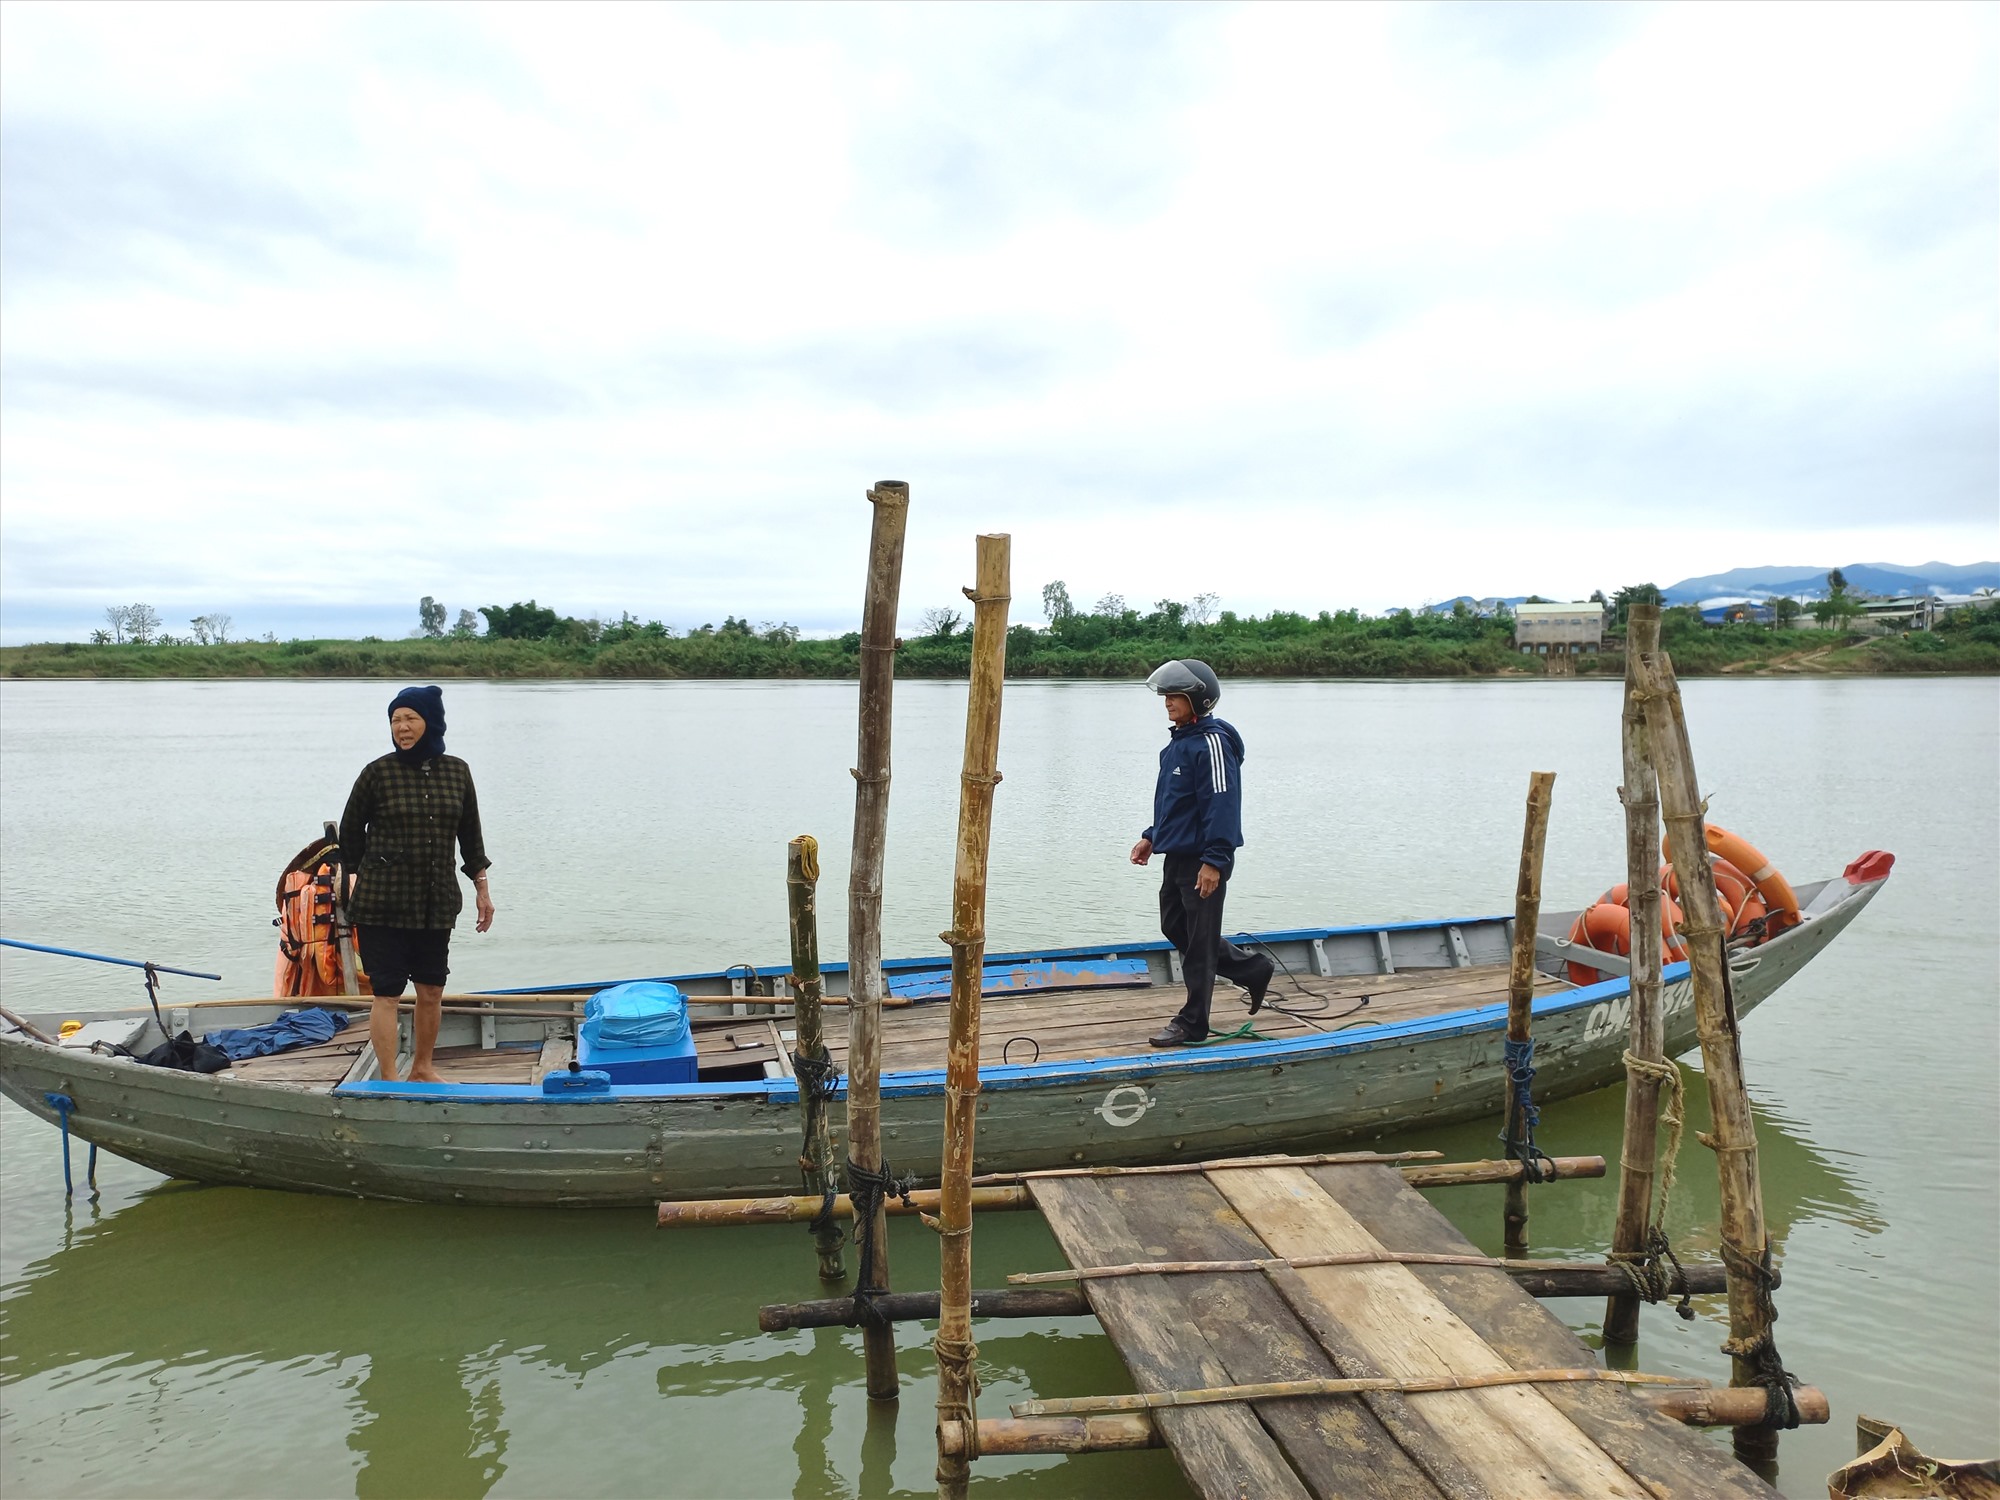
1613	1018
1125	1105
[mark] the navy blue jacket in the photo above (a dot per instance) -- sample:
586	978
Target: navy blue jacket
1198	804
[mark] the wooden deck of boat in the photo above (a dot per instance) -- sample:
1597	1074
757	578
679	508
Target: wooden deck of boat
1114	1023
324	1065
1039	1026
1198	1330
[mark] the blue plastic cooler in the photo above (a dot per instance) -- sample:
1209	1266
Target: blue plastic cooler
637	1033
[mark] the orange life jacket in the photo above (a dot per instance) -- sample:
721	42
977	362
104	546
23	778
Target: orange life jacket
309	961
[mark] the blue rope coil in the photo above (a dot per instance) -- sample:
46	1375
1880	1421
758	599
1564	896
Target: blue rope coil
1523	1116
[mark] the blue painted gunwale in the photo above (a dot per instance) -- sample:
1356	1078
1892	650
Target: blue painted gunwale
1179	1062
1024	955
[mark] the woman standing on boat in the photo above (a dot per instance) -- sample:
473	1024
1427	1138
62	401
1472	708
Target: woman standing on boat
396	838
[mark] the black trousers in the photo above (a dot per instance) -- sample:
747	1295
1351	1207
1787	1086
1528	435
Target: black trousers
393	956
1195	927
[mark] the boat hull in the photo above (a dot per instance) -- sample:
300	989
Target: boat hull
499	1145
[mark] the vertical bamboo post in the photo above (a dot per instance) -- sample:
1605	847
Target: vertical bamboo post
1638	1155
891	499
957	1386
815	1066
1745	1242
1521	989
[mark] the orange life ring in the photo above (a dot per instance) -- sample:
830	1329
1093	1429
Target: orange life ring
1782	902
1741	900
1607	928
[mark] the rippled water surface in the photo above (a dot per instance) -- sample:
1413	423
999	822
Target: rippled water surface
171	1339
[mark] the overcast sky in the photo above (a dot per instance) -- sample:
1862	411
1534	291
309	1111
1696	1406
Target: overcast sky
309	311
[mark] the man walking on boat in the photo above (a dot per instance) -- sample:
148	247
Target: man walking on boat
1198	827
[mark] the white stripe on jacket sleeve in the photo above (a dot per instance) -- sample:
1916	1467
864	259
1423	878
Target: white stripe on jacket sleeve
1218	770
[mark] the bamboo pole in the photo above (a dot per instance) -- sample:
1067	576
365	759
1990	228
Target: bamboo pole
891	499
1521	990
1281	1263
1639	1152
491	1005
1112	1432
1224	1164
998	1193
1274	1390
712	1213
26	1028
1471	1173
967	938
1745	1241
923	1307
1586	1279
816	1162
1734	1406
453	1004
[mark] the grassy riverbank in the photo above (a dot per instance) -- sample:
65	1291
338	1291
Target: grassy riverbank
1085	646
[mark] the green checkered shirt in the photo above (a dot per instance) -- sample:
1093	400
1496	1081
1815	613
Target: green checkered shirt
397	834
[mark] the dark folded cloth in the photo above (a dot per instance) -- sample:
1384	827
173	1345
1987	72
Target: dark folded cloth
183	1053
297	1028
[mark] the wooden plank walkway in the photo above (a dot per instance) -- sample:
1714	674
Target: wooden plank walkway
1207	1329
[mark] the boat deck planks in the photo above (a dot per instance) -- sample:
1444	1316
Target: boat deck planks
1234	1328
1115	1023
322	1065
1062	1025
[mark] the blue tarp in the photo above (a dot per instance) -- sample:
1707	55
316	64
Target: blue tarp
645	1013
297	1028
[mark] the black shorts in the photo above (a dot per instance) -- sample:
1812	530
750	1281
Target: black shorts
393	956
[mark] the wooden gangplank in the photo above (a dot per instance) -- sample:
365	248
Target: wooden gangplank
1199	1330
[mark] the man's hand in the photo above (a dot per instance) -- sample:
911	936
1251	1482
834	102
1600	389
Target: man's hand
484	905
1206	881
1142	851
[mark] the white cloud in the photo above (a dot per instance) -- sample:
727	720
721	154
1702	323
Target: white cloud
322	308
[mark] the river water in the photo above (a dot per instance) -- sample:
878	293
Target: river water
170	1339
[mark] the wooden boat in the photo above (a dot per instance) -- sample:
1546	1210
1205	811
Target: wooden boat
1368	1030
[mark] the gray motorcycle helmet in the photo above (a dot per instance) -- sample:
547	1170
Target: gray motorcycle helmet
1194	678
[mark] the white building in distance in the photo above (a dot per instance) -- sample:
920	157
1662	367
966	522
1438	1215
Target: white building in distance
1558	629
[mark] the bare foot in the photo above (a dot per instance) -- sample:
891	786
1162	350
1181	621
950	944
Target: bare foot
424	1075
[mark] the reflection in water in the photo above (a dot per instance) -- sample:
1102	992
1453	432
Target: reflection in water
1801	1184
429	1429
452	1308
817	1475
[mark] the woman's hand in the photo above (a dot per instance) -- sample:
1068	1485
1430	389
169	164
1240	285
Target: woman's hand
483	903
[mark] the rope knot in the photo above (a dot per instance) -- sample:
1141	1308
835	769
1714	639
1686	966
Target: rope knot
1523	1115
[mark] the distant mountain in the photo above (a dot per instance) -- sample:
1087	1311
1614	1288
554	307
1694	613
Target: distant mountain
1810	583
1444	606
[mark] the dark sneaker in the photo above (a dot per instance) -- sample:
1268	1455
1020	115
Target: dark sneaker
1260	985
1173	1034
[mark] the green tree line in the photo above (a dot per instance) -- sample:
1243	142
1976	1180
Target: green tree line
1112	639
